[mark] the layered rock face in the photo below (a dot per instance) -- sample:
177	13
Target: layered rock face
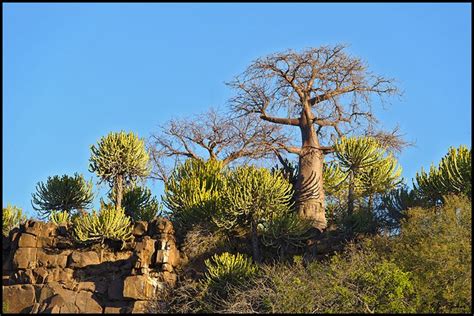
44	272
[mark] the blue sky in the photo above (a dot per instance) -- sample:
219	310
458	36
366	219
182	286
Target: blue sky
75	72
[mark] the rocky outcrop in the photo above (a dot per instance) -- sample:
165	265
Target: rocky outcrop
45	272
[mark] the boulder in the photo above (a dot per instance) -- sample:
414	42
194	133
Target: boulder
87	304
24	258
139	287
60	305
144	251
27	241
139	307
169	278
18	298
83	259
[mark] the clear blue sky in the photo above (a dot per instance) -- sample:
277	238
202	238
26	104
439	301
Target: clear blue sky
74	72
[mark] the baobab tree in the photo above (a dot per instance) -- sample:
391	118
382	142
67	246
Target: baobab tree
212	135
324	92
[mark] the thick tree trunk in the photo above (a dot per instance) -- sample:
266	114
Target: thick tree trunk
309	185
119	192
255	247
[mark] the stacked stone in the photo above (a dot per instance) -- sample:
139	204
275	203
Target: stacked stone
43	272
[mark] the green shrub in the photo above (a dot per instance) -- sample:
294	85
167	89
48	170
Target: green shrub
435	244
62	194
60	218
193	191
285	231
139	203
253	196
227	269
11	217
109	223
451	176
358	282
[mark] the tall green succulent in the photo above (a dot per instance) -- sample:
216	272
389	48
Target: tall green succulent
62	194
60	218
193	191
119	159
253	196
368	168
452	175
11	217
109	223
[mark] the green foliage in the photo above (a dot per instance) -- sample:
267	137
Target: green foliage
109	223
226	270
119	159
253	195
193	191
139	203
451	176
60	218
62	194
363	171
286	230
435	244
394	205
358	282
11	217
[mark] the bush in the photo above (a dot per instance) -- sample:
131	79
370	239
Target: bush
62	194
138	203
435	244
285	231
60	218
227	269
451	176
11	217
109	223
193	191
119	159
253	196
359	281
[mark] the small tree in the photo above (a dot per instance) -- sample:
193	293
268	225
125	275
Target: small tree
367	167
62	194
119	159
253	196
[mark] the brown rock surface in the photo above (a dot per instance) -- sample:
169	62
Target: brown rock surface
139	287
87	304
79	259
20	297
24	258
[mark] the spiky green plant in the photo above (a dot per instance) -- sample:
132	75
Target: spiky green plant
252	196
368	168
193	191
139	203
60	218
109	223
452	175
119	159
286	230
11	217
227	269
62	194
